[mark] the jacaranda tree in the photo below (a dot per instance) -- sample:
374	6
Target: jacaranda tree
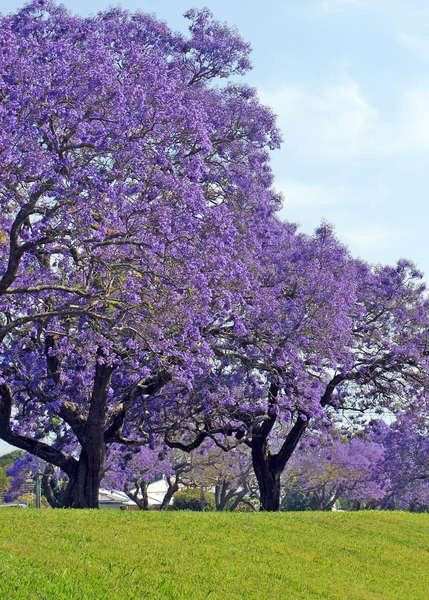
321	338
146	288
329	468
134	469
134	180
405	460
229	474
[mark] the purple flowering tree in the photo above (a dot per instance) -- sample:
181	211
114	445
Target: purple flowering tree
322	338
405	460
229	474
21	472
133	469
131	175
328	468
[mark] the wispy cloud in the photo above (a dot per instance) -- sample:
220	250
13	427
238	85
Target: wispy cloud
332	123
302	195
338	123
334	5
413	119
416	43
348	208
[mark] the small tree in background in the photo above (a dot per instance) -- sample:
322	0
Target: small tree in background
405	460
325	471
229	474
134	469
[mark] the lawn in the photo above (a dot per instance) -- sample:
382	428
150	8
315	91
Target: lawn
119	555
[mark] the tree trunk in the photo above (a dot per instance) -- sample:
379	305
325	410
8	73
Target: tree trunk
203	502
221	495
145	498
84	487
173	487
269	489
268	478
226	497
85	474
240	497
141	502
48	488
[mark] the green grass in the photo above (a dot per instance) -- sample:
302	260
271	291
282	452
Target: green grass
118	555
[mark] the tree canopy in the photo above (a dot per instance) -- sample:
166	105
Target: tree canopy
130	180
149	293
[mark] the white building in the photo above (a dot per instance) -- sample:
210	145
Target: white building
117	499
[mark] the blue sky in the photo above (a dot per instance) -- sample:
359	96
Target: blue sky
349	81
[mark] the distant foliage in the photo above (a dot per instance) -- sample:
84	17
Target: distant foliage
192	499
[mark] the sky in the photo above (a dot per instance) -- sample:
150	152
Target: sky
349	82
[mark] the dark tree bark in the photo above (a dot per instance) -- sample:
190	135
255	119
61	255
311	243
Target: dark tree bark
220	494
241	499
173	483
269	467
85	486
139	496
17	250
228	498
51	493
173	487
86	473
145	498
44	451
268	477
91	430
266	470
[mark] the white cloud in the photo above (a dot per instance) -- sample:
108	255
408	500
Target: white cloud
338	123
414	118
364	238
333	122
312	195
345	207
417	44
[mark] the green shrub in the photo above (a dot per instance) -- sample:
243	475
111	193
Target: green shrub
30	499
245	507
192	499
296	500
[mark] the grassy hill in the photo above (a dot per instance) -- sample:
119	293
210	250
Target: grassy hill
118	555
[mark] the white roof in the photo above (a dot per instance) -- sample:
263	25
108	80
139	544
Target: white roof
113	496
155	491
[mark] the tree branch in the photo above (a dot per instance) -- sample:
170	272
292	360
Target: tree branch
15	250
47	453
147	387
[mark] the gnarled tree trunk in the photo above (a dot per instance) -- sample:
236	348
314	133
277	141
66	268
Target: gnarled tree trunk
84	487
139	496
173	486
268	477
269	467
